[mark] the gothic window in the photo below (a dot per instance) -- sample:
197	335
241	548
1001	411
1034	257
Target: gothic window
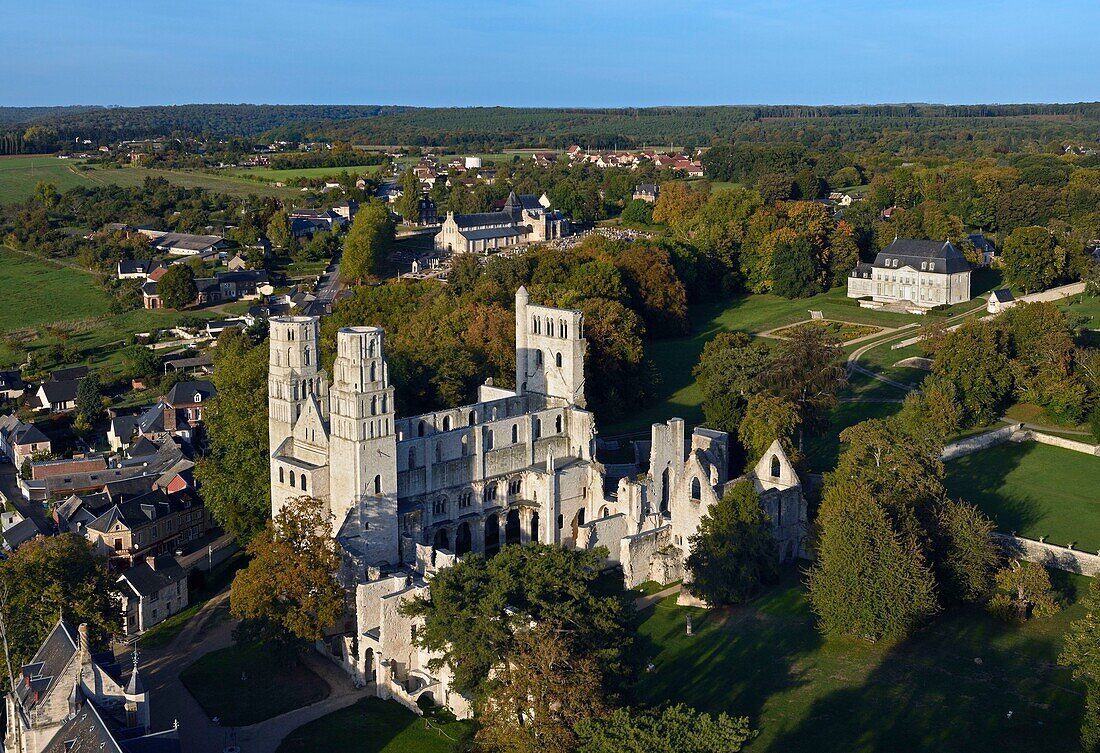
465	447
696	489
561	328
374	405
535	325
604	512
489	439
303	482
538	358
377	484
514	487
465	500
557	360
288	356
446	423
557	424
549	326
536	428
384	408
515	433
373	372
420	428
473	419
370	349
305	356
775	466
282	476
292	479
490	493
439	507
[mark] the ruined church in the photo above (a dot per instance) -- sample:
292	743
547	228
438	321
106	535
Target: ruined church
410	495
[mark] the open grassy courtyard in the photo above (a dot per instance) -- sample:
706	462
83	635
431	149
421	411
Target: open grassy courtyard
1033	489
376	726
242	686
950	688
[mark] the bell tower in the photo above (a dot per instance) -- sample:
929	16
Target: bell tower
550	348
293	374
363	441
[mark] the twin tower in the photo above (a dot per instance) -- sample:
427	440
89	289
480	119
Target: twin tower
339	441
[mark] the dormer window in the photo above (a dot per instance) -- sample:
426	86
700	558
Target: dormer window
198	397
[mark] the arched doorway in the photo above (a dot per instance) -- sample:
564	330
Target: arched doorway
441	540
512	528
463	539
492	534
534	526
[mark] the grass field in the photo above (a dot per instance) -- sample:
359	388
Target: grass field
1033	489
376	726
43	293
1085	307
678	395
275	174
243	686
950	688
18	176
844	331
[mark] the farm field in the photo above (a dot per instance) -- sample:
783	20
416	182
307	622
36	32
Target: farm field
46	293
1033	489
274	174
18	176
950	687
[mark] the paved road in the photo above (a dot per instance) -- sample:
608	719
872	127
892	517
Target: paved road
9	485
329	283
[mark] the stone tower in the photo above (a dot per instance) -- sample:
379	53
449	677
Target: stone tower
549	351
363	442
293	374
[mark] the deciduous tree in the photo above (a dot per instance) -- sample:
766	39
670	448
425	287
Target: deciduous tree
674	729
367	242
733	554
289	590
176	287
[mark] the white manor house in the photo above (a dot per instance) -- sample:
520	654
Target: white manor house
409	495
912	272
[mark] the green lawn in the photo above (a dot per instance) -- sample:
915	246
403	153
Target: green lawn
1085	307
822	450
1033	489
243	686
376	726
42	293
808	694
678	395
226	184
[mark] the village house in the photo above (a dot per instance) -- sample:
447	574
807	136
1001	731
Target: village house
150	592
58	393
187	244
911	272
184	405
12	385
1000	300
137	269
69	699
984	247
147	524
523	219
20	441
243	284
646	192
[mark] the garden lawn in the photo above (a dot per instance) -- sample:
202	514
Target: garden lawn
1033	489
243	686
844	331
807	694
39	292
1086	307
677	394
376	726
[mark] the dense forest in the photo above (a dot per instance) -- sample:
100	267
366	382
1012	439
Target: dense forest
951	130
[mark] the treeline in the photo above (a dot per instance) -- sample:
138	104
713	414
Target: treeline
952	130
444	341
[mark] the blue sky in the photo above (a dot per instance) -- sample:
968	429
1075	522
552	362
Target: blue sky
548	52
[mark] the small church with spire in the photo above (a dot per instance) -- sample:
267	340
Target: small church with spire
69	698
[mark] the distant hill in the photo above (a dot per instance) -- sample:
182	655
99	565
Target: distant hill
14	115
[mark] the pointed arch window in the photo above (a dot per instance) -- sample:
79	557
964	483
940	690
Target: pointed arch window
557	360
377	484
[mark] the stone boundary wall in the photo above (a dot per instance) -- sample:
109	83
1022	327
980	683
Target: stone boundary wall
1067	444
973	444
1050	555
640	561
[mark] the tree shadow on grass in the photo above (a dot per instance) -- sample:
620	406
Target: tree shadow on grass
967	683
979	479
735	658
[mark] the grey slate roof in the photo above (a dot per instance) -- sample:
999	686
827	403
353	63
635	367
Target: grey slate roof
184	392
910	252
49	661
480	219
146	580
493	232
1004	295
67	374
60	392
20	533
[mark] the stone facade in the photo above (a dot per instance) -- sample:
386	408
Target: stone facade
410	495
920	273
523	219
